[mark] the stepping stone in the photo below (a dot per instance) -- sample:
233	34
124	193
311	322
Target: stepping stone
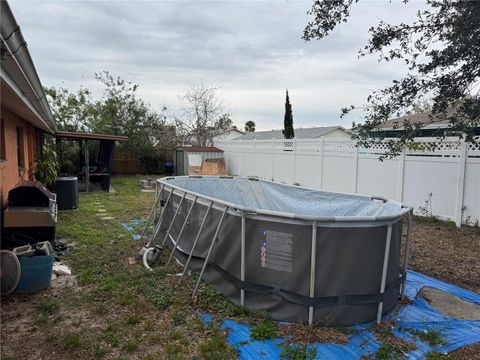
107	218
101	210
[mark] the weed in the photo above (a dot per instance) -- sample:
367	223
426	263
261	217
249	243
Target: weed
388	352
179	316
132	319
49	307
178	337
73	341
298	352
210	299
431	336
174	352
265	329
216	348
435	355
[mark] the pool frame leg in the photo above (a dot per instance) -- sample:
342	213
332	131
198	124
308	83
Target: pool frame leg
181	231
205	263
407	252
154	208
384	271
313	258
185	267
173	219
242	260
160	219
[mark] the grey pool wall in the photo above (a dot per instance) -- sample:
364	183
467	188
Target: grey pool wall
340	267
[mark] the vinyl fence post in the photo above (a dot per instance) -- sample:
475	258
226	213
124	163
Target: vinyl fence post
322	149
401	175
461	183
355	170
273	159
294	159
254	158
313	258
384	271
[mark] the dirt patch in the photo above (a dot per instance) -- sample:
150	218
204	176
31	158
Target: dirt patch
383	332
445	252
451	305
301	334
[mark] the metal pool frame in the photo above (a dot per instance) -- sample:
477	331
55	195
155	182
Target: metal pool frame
163	185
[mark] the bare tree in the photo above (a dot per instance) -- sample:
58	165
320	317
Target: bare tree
202	107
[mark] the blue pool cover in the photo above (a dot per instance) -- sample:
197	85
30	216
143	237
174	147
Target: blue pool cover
418	315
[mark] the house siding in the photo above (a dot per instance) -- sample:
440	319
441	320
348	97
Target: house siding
337	134
10	174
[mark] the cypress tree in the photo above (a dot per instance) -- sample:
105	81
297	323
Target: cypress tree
288	132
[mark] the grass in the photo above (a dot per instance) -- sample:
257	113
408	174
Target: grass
119	310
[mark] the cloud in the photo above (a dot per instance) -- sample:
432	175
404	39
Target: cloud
253	50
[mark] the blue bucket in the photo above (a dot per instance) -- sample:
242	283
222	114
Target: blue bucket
36	273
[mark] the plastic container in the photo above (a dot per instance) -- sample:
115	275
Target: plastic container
45	246
36	273
25	250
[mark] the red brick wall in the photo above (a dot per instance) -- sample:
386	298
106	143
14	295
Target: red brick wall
10	174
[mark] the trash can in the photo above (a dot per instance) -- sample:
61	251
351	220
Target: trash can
36	273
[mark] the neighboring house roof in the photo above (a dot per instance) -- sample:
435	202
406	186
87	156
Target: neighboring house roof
230	130
199	149
301	133
22	91
88	136
425	120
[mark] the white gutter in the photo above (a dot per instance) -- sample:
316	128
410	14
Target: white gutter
16	47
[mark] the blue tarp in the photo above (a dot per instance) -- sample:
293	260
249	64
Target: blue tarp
418	315
134	226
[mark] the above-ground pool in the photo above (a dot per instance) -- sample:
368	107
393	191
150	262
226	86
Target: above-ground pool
300	254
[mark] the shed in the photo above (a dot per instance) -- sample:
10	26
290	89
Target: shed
186	156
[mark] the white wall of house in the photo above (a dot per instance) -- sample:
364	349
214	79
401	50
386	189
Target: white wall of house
227	135
445	183
337	134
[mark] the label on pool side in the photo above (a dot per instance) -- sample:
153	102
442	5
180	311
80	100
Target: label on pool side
276	250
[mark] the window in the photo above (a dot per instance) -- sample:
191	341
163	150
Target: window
2	140
20	149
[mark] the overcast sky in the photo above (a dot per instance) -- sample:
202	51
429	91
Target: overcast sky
252	50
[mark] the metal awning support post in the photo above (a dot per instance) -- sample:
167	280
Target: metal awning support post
242	260
384	271
407	251
173	219
159	223
313	258
152	212
87	167
181	230
209	252
185	268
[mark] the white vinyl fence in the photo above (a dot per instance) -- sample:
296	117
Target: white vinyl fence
444	182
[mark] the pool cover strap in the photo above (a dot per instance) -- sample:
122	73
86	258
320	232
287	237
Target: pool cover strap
306	300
